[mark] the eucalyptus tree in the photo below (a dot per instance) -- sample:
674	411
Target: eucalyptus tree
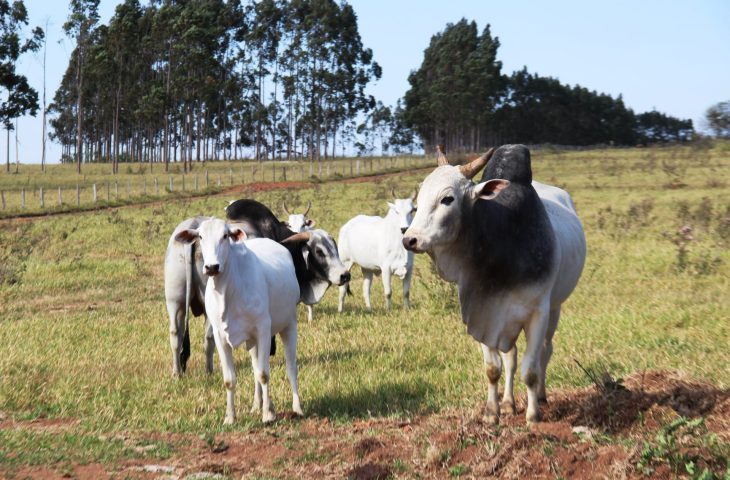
18	97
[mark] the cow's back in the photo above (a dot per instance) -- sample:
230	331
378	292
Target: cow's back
361	241
175	268
569	236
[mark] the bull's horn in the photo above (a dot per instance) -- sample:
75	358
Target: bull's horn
393	194
309	206
473	167
286	210
441	158
414	194
298	237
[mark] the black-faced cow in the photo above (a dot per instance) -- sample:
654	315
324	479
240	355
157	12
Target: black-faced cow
516	250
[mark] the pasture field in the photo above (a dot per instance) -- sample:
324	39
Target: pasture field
60	189
86	390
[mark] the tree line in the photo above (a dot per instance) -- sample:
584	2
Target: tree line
460	97
193	80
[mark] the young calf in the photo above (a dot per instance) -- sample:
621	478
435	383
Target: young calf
375	243
252	294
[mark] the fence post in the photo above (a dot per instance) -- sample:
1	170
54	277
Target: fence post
206	179
219	179
170	183
78	196
253	173
273	176
2	196
283	174
129	189
301	172
242	173
230	175
94	192
144	186
183	182
41	197
157	188
196	182
107	191
116	191
60	198
22	198
263	172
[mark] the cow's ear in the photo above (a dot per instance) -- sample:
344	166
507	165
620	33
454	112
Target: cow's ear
187	236
490	189
392	205
236	235
310	223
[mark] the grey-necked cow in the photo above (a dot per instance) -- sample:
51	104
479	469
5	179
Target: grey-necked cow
298	223
516	250
316	263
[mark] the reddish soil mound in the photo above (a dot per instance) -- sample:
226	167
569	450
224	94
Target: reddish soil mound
587	433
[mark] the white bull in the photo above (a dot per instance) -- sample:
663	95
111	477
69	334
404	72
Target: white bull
252	294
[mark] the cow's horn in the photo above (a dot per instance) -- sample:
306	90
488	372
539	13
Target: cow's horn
414	194
441	158
393	194
298	237
286	210
473	167
309	206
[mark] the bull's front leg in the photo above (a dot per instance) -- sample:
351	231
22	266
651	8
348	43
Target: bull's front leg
407	288
493	367
256	405
387	290
177	332
209	345
531	363
509	363
225	354
263	346
367	281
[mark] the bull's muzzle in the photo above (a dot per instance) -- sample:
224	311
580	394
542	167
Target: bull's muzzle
410	243
212	270
344	278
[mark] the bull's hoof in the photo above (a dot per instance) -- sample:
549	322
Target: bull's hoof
542	400
508	407
229	420
268	416
491	419
533	417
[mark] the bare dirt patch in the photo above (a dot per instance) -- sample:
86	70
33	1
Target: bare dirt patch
586	434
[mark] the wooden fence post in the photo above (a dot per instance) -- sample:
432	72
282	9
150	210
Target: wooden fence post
196	182
253	173
219	179
301	172
144	186
129	189
22	198
78	195
60	199
273	176
263	172
107	191
283	174
170	183
157	188
2	196
241	173
41	197
183	182
116	191
94	192
230	175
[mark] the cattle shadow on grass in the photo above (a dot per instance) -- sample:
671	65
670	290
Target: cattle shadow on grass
385	399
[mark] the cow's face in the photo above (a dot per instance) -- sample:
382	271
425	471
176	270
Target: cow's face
322	258
441	201
299	222
216	237
404	209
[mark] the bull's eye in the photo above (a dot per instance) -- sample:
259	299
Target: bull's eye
320	252
225	235
447	200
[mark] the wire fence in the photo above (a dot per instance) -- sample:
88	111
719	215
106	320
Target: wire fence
66	195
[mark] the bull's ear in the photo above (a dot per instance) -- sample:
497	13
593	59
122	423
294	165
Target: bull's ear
310	223
236	235
187	236
490	189
391	205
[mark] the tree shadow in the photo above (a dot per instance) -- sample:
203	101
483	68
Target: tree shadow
385	399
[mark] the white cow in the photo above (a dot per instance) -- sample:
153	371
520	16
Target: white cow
516	250
375	243
252	294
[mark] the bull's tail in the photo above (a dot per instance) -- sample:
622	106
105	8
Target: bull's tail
349	292
189	256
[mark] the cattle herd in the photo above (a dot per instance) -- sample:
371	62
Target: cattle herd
514	247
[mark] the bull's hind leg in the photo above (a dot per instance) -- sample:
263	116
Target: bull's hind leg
263	345
493	367
256	405
509	362
177	335
407	288
367	282
387	290
289	337
547	351
531	362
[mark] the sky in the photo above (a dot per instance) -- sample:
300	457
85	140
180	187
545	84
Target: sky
668	55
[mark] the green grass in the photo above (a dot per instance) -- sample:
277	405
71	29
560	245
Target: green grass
84	331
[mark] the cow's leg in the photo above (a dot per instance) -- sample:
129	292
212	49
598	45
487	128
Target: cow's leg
509	363
367	281
407	288
225	354
493	367
547	351
343	294
209	345
387	275
531	368
177	333
256	405
289	337
310	313
263	346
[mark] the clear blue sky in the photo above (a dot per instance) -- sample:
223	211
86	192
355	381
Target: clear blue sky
665	54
